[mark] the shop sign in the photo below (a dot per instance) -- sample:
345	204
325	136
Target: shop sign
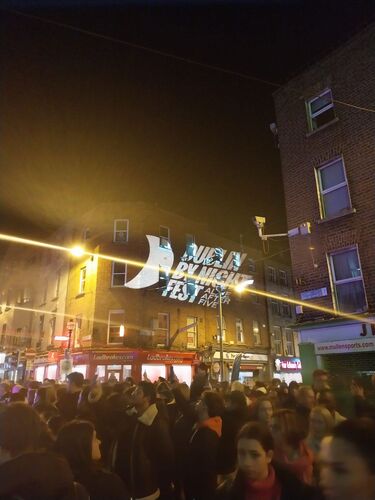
230	356
168	358
314	294
39	360
293	364
345	346
199	263
114	357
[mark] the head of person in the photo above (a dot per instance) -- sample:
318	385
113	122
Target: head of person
286	429
144	396
235	401
184	390
321	422
202	370
263	411
357	387
130	381
347	461
210	405
306	397
78	443
255	448
327	398
293	389
75	382
20	430
320	379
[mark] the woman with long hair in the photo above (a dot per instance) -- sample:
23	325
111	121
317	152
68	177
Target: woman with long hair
77	442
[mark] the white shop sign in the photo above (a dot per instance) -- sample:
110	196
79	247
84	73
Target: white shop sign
229	356
345	346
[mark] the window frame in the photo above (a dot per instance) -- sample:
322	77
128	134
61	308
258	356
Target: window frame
110	312
166	330
335	282
283	281
125	274
322	192
271	274
257	337
82	279
164	239
115	231
289	342
194	329
241	340
277	341
312	115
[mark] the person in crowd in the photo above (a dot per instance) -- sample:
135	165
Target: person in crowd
143	455
347	461
362	406
200	479
263	411
258	477
291	400
200	382
18	394
235	415
45	401
25	471
327	399
320	380
78	443
4	392
305	403
290	447
166	402
321	425
68	399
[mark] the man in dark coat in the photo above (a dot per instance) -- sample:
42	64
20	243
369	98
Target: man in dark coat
68	400
144	451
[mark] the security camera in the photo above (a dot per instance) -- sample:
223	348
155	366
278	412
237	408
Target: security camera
259	221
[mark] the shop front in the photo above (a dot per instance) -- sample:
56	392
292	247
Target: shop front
253	365
46	366
288	369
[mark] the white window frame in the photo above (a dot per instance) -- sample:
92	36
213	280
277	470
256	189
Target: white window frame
110	312
116	231
335	282
256	332
166	330
82	279
192	330
322	192
277	341
113	274
312	115
289	342
240	339
283	277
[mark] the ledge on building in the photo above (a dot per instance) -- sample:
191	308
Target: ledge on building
349	211
326	125
80	295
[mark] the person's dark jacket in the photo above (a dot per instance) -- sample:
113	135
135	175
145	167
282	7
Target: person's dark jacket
199	384
363	407
68	405
101	484
200	479
144	456
227	454
37	476
303	418
291	487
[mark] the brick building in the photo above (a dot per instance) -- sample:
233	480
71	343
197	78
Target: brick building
327	154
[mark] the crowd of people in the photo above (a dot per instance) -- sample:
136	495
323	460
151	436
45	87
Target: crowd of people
166	440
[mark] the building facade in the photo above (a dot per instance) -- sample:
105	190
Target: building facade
326	139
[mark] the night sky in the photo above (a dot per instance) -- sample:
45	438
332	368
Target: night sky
84	120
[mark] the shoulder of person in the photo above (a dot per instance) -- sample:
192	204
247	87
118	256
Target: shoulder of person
231	489
291	487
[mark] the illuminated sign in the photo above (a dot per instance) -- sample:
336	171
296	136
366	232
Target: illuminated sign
293	364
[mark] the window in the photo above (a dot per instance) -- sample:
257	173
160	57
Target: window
283	277
52	328
116	320
163	327
191	247
320	110
286	310
347	282
119	271
289	337
192	332
78	330
333	190
58	279
275	306
277	340
218	328
121	231
271	274
252	267
82	280
239	331
41	325
164	237
256	333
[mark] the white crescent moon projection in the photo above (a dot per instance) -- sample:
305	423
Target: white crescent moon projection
158	257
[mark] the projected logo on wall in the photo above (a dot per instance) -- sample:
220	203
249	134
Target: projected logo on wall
204	263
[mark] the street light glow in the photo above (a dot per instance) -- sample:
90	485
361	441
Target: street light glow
77	251
241	286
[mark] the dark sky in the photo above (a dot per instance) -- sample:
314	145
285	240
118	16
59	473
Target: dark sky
87	120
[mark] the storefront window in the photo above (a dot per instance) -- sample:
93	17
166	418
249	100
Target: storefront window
100	372
39	373
127	371
51	372
81	369
183	373
153	372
